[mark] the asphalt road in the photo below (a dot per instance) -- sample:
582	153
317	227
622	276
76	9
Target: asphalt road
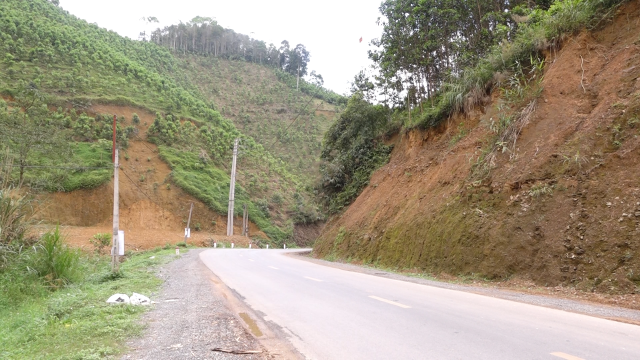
335	314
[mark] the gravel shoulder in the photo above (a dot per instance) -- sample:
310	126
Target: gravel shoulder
615	313
190	318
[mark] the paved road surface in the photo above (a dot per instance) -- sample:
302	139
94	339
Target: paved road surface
336	314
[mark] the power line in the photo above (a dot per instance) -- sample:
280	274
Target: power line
294	120
136	185
57	167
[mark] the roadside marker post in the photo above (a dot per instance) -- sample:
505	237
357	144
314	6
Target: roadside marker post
267	246
285	246
187	231
232	245
215	245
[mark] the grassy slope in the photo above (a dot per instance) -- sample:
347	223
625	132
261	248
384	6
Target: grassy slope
74	322
263	107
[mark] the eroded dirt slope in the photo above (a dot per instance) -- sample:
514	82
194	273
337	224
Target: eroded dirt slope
153	211
562	208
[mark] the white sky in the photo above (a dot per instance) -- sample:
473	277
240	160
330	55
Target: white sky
329	29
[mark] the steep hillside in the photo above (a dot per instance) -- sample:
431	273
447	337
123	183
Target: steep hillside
153	212
557	202
288	123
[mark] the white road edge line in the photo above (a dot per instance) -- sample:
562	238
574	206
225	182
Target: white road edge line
273	267
310	278
565	356
390	302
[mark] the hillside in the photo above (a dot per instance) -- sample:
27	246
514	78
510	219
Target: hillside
539	181
72	77
288	123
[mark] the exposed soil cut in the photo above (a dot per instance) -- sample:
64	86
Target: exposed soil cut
562	208
153	211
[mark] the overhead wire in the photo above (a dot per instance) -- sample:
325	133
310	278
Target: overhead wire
294	120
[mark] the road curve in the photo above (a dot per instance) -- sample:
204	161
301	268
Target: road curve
335	314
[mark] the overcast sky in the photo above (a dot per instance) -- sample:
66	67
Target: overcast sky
329	29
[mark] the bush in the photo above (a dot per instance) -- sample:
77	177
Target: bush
100	241
54	261
14	217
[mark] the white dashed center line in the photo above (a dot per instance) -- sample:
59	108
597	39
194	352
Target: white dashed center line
310	278
273	267
390	302
565	356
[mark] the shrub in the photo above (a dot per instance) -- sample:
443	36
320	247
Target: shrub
136	119
55	262
14	217
100	241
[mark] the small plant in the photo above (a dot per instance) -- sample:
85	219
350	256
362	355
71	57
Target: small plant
540	190
168	186
100	241
462	132
136	119
142	178
197	227
56	263
126	156
149	158
155	186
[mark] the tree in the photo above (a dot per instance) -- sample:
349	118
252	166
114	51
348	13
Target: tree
316	79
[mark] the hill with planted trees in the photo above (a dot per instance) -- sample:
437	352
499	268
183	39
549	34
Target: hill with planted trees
66	79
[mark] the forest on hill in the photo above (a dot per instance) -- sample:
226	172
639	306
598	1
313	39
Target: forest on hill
57	67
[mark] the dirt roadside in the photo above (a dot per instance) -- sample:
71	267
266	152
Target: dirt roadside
191	317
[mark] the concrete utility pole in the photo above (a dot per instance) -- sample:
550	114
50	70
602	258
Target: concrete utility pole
245	221
186	232
116	214
232	190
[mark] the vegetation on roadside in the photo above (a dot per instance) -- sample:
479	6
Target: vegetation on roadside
53	297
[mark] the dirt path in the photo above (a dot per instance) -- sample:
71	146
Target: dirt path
191	318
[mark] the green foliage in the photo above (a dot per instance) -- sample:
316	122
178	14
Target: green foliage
211	186
468	71
54	261
101	241
311	89
14	217
68	61
36	322
352	151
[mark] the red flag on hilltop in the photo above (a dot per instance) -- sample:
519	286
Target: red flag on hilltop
361	39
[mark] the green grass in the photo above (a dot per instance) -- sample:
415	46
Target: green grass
70	175
211	186
75	322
